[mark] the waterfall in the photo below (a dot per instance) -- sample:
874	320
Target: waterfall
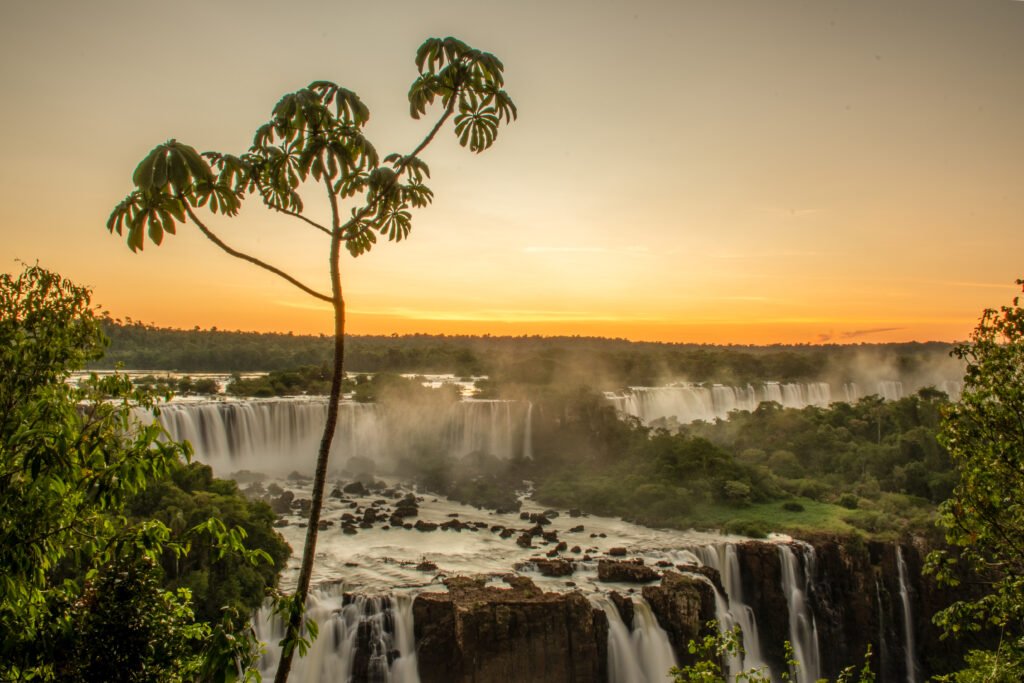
732	610
528	433
640	655
687	402
277	436
484	427
909	648
883	651
365	638
803	632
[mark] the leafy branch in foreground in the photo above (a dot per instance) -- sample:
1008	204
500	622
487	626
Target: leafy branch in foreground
82	597
711	652
984	518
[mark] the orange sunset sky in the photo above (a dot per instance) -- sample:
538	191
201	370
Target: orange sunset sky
708	171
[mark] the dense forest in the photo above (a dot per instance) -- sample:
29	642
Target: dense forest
606	363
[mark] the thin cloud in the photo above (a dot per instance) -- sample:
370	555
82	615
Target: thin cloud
863	333
565	250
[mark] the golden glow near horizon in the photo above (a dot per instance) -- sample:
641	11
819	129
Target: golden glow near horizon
727	172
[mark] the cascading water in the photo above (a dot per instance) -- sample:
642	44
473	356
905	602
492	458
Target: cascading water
734	611
269	435
364	638
909	648
883	650
282	435
528	433
640	655
691	402
483	426
803	631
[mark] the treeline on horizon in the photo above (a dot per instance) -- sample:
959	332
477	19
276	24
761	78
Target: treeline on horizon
607	362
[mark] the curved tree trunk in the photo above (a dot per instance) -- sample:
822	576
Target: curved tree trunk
298	606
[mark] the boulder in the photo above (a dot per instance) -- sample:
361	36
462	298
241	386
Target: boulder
626	571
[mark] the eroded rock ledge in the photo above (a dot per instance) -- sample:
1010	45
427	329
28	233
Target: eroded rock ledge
486	634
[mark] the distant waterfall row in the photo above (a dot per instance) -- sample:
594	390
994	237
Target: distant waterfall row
281	435
689	402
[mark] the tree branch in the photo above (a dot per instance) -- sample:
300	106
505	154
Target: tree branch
295	214
251	259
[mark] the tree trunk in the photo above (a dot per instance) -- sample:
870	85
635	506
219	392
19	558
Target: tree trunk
298	609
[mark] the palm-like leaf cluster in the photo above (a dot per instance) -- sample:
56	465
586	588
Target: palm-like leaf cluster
315	135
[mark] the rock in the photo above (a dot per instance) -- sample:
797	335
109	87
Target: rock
507	533
617	552
370	515
452	525
274	490
336	493
405	510
525	540
426	566
574	512
576	529
420	525
281	523
324	524
682	605
524	515
302	506
355	488
349	529
297	476
547	567
479	634
550	536
282	505
562	546
551	514
626	571
624	605
553	552
576	549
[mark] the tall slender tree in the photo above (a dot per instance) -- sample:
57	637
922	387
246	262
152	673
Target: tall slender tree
314	142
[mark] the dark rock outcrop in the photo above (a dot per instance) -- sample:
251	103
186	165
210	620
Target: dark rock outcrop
479	634
683	605
627	571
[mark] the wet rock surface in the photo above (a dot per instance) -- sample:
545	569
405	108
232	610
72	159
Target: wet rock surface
484	634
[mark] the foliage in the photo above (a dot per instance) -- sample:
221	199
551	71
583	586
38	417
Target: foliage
308	379
186	500
715	648
984	517
79	586
710	475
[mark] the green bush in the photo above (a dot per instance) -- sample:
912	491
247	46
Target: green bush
753	528
849	501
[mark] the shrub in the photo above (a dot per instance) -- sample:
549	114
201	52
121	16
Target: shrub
754	528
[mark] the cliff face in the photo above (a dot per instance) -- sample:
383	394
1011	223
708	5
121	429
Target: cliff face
478	634
855	591
683	604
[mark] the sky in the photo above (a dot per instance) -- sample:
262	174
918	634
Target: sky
716	171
